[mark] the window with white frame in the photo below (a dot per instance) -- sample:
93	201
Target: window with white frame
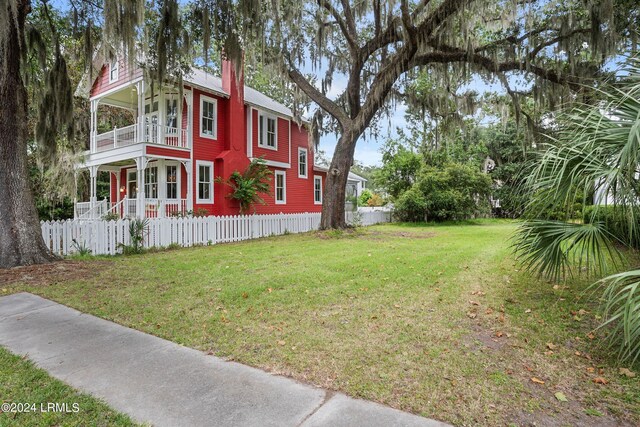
172	182
172	115
208	117
151	182
281	187
268	131
302	162
205	181
317	190
114	70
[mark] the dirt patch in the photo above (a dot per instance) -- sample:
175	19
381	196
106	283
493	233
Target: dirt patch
47	274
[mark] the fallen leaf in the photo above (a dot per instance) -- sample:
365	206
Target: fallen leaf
548	353
551	346
4	289
577	353
600	380
474	303
472	315
489	310
396	305
238	329
561	397
282	342
499	334
501	317
270	290
528	310
245	295
556	287
627	373
591	336
537	380
591	369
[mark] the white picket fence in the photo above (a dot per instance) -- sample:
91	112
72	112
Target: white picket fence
106	237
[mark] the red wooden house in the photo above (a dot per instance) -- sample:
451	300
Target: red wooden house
165	162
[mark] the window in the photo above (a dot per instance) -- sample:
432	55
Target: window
114	69
317	190
172	182
208	117
151	183
281	187
302	162
205	181
267	131
172	115
132	184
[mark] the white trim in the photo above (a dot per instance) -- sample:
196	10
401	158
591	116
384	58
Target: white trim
284	187
250	132
273	163
197	190
203	99
306	162
315	179
263	135
117	70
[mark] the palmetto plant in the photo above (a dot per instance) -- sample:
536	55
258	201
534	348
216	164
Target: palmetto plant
594	148
247	186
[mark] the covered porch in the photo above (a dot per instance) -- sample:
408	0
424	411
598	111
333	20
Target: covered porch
142	187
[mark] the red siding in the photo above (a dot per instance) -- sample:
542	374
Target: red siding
101	84
282	154
168	152
208	149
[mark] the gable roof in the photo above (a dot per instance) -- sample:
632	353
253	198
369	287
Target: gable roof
207	81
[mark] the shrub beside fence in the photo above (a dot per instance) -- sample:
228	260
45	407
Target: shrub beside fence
106	237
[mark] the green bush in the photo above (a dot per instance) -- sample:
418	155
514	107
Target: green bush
455	192
363	200
616	220
411	206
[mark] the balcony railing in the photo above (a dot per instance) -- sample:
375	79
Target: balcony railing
153	133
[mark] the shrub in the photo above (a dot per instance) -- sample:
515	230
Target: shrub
137	231
364	198
411	206
246	187
616	221
111	216
376	200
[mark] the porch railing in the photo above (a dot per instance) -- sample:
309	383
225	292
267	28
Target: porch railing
128	208
153	133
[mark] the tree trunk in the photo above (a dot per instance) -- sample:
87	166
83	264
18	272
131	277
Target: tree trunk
334	198
21	240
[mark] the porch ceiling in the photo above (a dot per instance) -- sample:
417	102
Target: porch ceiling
125	98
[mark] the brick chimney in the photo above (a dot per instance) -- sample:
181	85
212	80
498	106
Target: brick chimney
236	124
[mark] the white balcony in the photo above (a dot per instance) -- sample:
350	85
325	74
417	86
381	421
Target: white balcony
130	135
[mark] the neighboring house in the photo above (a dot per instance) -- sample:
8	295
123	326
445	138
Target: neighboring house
355	185
165	162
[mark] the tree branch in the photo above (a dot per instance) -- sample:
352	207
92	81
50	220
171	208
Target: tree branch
325	103
349	36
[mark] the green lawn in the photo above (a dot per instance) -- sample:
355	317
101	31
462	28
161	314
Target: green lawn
436	320
21	382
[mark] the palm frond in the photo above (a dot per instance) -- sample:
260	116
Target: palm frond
621	313
554	248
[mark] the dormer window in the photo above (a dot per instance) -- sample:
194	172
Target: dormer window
268	131
114	69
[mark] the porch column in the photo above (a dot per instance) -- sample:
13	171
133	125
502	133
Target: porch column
190	126
187	166
93	178
94	126
141	163
140	88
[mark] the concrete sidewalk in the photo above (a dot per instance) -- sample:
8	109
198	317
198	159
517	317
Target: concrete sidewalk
159	382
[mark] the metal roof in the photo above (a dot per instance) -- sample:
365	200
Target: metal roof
252	97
